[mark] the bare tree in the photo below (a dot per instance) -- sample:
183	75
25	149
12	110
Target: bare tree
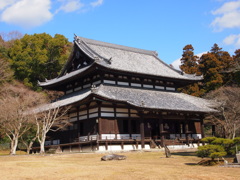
15	100
7	39
5	71
51	119
29	137
228	105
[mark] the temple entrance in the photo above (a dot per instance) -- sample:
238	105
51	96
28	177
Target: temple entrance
151	128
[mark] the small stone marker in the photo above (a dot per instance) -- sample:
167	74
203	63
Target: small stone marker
238	157
113	157
167	152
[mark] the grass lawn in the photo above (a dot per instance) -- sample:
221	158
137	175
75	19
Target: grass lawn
138	165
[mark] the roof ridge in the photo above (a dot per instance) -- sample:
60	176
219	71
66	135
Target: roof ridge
117	46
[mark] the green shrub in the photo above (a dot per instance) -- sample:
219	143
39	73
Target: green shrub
226	143
236	141
208	139
212	151
217	155
235	149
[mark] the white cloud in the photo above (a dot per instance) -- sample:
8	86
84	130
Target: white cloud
70	6
27	13
177	62
5	3
228	16
97	3
32	13
233	39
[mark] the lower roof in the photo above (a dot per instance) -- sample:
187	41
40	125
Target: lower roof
140	98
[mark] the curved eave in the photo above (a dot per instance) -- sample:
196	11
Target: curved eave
137	98
67	77
137	106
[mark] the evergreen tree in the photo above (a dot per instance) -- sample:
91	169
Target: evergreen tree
39	56
235	70
213	66
5	71
236	57
189	63
210	66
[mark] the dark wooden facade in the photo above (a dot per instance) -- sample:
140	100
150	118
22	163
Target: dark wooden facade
110	121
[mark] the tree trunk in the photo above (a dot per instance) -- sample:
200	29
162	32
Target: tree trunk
29	147
14	144
42	142
234	131
42	149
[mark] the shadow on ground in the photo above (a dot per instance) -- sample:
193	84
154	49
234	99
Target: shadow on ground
191	164
184	153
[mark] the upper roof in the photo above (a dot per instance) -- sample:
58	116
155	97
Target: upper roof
123	58
141	98
129	59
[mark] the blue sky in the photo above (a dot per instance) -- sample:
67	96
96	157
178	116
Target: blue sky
165	26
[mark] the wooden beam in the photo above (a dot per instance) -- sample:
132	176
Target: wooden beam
142	131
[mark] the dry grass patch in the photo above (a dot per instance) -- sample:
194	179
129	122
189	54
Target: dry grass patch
138	165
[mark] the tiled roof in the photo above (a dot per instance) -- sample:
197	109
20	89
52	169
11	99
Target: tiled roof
123	58
156	99
132	59
143	98
65	100
65	77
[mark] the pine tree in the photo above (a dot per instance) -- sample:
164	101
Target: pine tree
235	70
210	66
189	63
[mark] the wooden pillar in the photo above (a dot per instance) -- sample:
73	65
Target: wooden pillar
80	148
129	124
136	144
142	130
78	123
161	131
87	105
99	121
213	130
115	120
122	145
106	144
186	131
91	143
97	145
202	128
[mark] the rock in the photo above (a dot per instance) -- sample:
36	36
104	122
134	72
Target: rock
113	157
